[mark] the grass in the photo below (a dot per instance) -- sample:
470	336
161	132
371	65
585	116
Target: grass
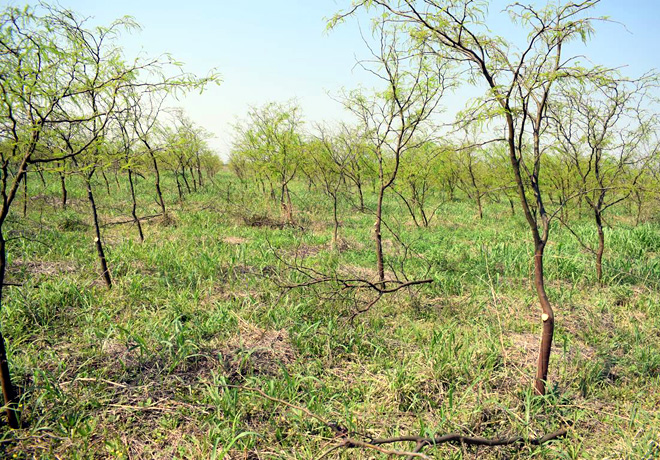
142	370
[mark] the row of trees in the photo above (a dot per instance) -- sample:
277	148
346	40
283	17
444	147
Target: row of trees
71	103
570	134
604	155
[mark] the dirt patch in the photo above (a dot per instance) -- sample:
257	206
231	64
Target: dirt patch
258	352
525	349
262	220
21	269
305	250
235	240
167	220
370	274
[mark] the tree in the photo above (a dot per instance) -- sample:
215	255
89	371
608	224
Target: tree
418	179
269	144
393	119
603	129
329	162
519	87
59	83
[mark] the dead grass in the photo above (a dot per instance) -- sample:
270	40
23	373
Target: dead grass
235	240
26	269
256	351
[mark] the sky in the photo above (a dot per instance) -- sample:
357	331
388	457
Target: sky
278	50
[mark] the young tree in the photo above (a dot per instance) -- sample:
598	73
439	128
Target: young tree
519	82
58	80
393	119
269	143
603	128
418	180
329	164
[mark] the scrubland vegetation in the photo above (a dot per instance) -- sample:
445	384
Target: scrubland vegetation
366	290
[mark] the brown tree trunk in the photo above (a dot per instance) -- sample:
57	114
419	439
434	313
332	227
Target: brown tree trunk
63	185
105	272
8	392
548	319
185	179
199	172
601	247
335	230
134	208
479	206
194	180
159	193
361	195
107	183
380	266
178	185
25	194
287	206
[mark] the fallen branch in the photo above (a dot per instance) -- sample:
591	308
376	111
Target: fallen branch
341	284
131	221
421	442
457	438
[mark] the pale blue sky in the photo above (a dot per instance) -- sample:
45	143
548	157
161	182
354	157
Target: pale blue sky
268	50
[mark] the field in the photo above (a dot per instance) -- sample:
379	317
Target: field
200	350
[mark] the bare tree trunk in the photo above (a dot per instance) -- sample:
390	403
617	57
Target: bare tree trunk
185	179
25	194
178	185
8	391
479	206
199	172
335	230
361	195
116	174
159	193
548	319
107	183
105	272
192	175
547	314
41	175
379	237
62	174
601	247
285	202
134	208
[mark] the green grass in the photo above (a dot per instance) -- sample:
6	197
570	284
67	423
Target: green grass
141	371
